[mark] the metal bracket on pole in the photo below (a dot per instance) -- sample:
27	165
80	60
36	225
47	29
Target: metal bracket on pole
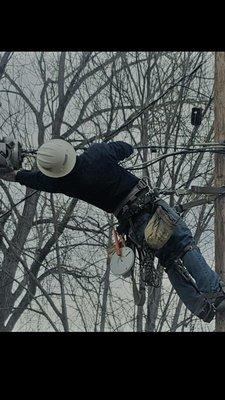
208	190
210	193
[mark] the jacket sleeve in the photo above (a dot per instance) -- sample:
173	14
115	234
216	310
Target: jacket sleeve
119	150
37	180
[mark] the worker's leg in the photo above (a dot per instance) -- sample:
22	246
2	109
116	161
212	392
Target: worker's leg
206	279
190	296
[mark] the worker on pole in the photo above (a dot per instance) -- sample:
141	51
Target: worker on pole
96	178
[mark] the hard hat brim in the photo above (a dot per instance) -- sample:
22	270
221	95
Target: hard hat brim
67	168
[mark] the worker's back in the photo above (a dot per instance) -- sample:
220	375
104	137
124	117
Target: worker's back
96	178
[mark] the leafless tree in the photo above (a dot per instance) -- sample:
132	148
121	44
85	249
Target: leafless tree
54	261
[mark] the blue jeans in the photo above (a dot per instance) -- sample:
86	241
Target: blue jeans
206	279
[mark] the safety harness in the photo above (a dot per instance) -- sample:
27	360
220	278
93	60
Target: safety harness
139	201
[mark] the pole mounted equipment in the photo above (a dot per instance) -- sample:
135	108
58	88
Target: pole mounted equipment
11	153
196	116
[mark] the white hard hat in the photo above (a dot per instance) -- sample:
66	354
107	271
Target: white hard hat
56	158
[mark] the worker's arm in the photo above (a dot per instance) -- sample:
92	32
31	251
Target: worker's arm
37	180
119	150
7	174
34	180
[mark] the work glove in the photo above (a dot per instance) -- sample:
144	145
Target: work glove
7	173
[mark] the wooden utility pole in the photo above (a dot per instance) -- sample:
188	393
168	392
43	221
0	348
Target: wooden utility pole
219	101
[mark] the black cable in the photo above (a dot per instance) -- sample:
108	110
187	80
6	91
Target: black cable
144	165
154	148
16	204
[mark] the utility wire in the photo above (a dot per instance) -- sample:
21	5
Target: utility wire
16	204
154	148
148	163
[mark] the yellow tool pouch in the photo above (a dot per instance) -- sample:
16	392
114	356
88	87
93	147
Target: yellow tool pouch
159	229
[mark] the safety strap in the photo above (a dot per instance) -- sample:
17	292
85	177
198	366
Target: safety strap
178	259
186	249
140	187
139	296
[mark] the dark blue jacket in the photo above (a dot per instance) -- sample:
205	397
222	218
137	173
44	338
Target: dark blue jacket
96	178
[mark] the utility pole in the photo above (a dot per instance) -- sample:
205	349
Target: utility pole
219	110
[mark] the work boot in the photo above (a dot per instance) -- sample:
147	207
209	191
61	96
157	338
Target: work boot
205	309
218	298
